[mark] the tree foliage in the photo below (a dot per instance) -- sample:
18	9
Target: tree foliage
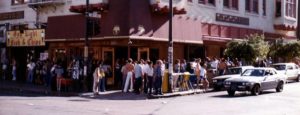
253	47
286	51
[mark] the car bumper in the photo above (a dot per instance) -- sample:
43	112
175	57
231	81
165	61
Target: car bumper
237	87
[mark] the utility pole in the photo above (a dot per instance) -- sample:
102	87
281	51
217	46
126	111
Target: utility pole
86	49
298	21
170	49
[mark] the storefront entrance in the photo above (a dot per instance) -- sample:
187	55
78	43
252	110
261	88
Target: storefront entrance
108	56
143	53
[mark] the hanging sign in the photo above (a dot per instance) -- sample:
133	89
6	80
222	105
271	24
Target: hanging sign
34	37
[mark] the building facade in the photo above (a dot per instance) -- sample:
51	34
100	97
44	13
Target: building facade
139	28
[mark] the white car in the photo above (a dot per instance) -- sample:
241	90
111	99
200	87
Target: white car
231	72
255	80
291	70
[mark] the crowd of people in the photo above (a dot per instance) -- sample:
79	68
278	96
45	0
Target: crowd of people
130	76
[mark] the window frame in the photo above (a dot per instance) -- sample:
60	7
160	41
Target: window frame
19	2
232	4
290	8
207	2
252	6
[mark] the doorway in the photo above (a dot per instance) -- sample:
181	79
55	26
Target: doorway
143	53
108	56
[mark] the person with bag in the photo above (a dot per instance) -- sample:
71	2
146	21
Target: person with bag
98	75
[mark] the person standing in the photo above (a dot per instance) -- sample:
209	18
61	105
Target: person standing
75	75
203	76
138	73
159	72
129	68
30	68
222	67
98	75
14	70
149	73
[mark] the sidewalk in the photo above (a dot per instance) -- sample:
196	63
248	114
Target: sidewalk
25	89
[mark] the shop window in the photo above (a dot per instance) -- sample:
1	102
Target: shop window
231	4
251	6
19	2
278	8
290	9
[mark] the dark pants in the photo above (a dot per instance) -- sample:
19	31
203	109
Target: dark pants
145	84
150	84
102	84
158	83
137	85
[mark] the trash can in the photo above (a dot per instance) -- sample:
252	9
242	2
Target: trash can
165	82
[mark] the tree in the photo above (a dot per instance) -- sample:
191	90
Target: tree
286	51
253	47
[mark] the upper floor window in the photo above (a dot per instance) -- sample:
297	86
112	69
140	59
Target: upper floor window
264	7
190	0
290	10
278	8
231	4
18	2
212	2
251	6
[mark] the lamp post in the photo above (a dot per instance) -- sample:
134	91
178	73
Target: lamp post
170	48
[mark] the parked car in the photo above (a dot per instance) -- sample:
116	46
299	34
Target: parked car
291	70
255	80
218	82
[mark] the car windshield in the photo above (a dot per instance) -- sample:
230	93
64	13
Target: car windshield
254	72
279	67
234	71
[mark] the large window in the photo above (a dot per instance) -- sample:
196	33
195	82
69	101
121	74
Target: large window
251	6
290	10
211	2
231	4
18	2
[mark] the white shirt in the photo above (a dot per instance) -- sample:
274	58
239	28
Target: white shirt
203	72
149	70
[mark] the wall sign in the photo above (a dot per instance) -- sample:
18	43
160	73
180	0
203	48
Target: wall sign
12	15
34	37
232	19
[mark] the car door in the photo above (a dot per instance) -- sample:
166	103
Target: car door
295	72
289	72
267	83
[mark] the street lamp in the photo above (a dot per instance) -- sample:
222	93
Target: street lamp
86	42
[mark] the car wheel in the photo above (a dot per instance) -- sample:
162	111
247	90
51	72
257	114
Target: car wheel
298	79
279	87
255	90
231	93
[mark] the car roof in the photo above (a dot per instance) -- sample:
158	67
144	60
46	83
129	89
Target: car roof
263	68
284	64
244	67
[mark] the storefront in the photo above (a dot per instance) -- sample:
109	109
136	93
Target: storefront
24	46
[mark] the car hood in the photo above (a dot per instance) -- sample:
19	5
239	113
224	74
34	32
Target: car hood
246	79
226	76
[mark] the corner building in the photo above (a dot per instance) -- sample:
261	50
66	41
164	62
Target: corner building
139	28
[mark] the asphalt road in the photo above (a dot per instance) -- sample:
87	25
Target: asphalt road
212	103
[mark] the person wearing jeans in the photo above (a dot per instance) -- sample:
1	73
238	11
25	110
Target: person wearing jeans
159	72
